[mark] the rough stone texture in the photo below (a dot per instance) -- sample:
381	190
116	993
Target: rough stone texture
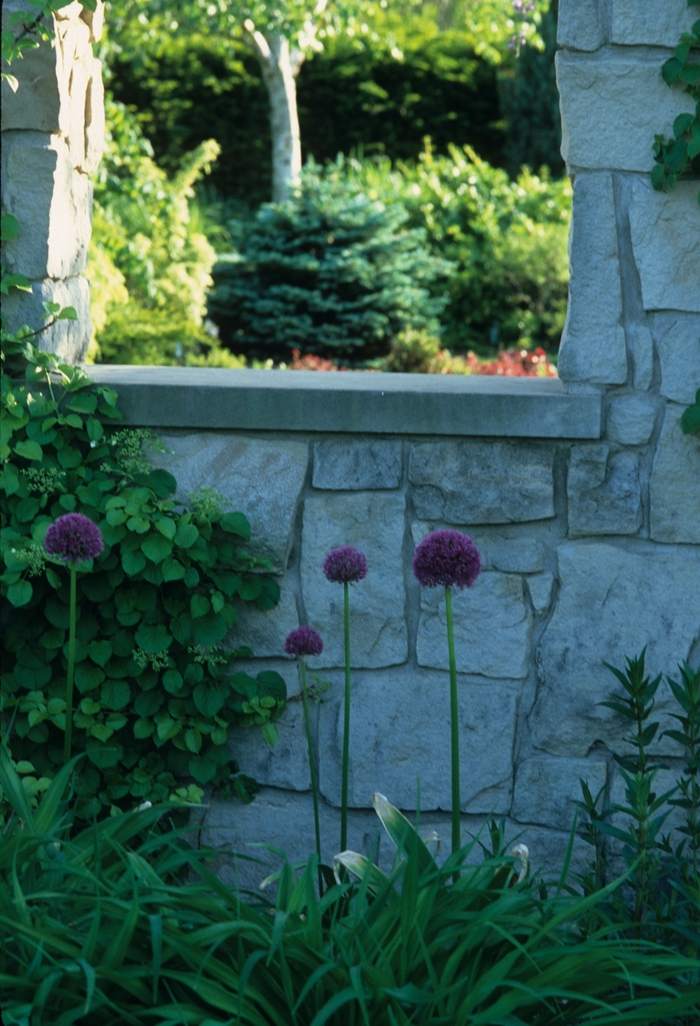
546	789
264	478
43	191
612	602
400	730
67	338
374	523
357	465
593	344
510	555
679	355
579	25
265	631
540	588
287	764
631	419
653	22
482	482
666	245
640	345
605	121
603	491
675	484
492	626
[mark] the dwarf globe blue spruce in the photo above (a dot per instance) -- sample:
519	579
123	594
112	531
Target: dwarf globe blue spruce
73	539
449	559
345	566
303	642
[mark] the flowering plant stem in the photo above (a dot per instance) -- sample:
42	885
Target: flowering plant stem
346	724
68	736
454	725
312	770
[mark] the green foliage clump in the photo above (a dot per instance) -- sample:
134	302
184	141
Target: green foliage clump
332	272
681	154
125	923
154	609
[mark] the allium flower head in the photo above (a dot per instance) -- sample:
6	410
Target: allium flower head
447	558
75	538
342	566
303	641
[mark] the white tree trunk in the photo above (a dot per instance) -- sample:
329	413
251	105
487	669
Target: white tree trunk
280	65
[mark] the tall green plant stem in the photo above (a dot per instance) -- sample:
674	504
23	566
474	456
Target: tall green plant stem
68	736
454	725
346	723
312	769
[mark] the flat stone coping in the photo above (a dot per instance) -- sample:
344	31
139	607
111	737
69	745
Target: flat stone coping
350	402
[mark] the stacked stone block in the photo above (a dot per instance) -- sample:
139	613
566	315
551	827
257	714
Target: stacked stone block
52	140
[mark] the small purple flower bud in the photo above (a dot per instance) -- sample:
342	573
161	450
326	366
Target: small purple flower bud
447	558
75	538
303	641
342	566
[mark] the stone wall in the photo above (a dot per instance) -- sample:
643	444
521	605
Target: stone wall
52	139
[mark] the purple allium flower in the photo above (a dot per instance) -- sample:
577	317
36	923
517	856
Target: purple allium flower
342	566
75	538
448	558
303	641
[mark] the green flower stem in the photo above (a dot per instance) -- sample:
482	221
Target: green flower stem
312	769
68	736
454	726
346	724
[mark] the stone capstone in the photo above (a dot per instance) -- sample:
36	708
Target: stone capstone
579	26
679	355
68	339
631	419
400	731
675	484
612	603
540	588
546	790
603	491
666	244
653	23
476	482
374	523
612	108
261	478
352	466
492	628
593	344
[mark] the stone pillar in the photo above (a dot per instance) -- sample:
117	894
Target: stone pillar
52	139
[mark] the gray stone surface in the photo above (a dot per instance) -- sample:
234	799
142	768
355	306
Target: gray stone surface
593	344
653	22
666	245
400	731
498	552
603	491
52	204
374	523
482	482
263	479
612	602
36	104
540	588
631	418
579	26
265	631
640	345
69	339
612	108
492	626
679	355
675	484
546	789
339	464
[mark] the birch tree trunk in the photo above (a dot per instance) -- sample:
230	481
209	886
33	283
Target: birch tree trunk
280	65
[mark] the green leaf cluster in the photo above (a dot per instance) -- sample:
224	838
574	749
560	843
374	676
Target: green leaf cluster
681	154
155	693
